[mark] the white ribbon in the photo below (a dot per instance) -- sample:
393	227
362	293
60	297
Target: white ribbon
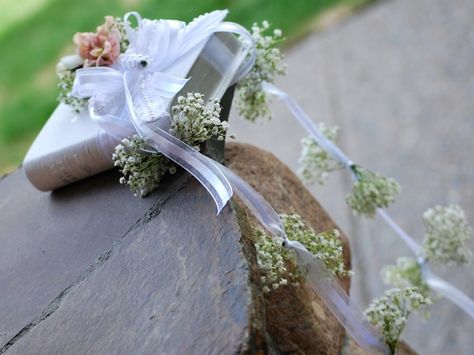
435	282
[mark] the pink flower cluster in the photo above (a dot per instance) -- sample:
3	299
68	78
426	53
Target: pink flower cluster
101	48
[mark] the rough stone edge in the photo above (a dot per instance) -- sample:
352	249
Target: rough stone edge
261	339
152	212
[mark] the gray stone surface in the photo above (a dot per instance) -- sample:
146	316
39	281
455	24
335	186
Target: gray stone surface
49	239
398	78
164	288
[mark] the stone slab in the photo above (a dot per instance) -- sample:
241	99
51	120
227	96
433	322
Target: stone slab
175	284
47	240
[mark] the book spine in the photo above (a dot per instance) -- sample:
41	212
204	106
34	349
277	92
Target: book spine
79	161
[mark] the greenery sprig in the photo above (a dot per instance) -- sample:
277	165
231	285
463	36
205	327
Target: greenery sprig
273	258
390	312
141	172
447	234
315	162
192	121
252	101
445	243
66	76
326	246
405	273
371	191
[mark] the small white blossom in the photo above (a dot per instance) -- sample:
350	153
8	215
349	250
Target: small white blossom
406	273
66	81
119	25
390	312
252	100
371	191
141	172
326	246
192	122
447	234
195	123
315	162
272	259
69	62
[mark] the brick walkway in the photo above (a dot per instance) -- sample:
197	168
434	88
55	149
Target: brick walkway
398	79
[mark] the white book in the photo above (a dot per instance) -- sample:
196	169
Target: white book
71	147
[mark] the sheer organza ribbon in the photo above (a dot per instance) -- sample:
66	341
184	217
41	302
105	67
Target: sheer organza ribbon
139	80
436	283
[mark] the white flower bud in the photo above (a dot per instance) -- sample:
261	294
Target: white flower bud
71	62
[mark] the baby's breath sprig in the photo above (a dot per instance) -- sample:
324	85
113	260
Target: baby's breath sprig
326	246
119	25
251	99
405	273
390	312
371	191
447	234
315	162
192	122
272	259
65	70
142	172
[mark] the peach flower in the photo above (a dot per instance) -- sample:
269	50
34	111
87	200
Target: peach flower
101	48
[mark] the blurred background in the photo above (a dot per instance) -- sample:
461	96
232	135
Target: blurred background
34	34
397	76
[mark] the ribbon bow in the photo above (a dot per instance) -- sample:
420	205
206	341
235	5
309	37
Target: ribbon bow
134	94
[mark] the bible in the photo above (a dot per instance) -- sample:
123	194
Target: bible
71	147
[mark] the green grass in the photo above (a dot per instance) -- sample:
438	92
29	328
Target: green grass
34	37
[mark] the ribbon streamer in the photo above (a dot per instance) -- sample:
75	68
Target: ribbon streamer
447	290
439	285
